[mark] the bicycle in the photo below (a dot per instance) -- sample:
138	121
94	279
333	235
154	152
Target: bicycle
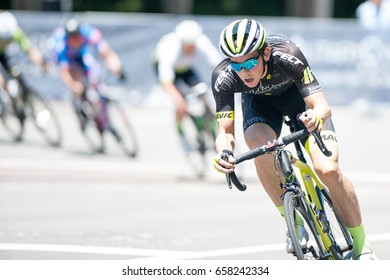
199	128
307	197
99	115
19	103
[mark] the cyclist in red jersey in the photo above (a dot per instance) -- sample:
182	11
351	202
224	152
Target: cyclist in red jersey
275	80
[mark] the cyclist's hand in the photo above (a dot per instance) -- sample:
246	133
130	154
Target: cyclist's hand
224	162
311	120
122	76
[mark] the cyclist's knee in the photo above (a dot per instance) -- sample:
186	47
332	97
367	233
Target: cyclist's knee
328	169
258	134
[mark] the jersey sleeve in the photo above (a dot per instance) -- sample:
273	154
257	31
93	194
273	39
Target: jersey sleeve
59	49
302	74
94	37
21	38
223	86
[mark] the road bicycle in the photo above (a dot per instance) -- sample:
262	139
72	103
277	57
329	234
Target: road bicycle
19	103
199	128
101	115
305	198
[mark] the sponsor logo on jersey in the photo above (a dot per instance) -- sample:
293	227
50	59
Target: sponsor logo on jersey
219	80
288	57
228	115
307	76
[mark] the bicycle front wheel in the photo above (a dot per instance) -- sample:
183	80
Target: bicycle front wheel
342	248
295	209
122	129
10	117
44	118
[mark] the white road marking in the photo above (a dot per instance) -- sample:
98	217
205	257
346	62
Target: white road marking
144	168
159	254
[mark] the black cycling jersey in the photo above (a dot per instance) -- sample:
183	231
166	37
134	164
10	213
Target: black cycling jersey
287	67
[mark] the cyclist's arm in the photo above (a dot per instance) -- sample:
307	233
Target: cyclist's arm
176	95
225	137
95	37
34	54
318	112
112	60
224	142
166	76
37	58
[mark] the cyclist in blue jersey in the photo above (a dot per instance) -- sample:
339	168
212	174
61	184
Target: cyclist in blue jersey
275	80
75	47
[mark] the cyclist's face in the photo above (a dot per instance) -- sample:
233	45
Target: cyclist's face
75	40
188	49
251	77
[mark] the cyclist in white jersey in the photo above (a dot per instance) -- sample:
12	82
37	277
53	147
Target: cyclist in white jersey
174	58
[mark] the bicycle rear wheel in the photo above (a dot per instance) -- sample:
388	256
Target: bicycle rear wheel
44	118
122	130
294	206
10	117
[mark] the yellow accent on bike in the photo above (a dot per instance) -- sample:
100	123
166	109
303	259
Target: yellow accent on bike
325	134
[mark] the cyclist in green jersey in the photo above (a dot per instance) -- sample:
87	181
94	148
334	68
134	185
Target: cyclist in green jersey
11	32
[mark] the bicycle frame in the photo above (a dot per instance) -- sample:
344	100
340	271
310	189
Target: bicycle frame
313	202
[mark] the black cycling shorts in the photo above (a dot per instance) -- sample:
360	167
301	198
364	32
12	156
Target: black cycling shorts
189	77
270	110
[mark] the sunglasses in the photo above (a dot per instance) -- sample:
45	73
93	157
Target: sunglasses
247	64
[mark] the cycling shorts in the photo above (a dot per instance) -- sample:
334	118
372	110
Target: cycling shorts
270	110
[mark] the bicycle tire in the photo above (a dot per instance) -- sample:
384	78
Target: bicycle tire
314	250
122	129
91	129
10	118
44	118
338	230
197	138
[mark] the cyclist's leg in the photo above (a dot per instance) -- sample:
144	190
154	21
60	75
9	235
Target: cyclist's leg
263	123
340	187
188	78
78	74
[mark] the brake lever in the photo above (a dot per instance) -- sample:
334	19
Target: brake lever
321	144
232	179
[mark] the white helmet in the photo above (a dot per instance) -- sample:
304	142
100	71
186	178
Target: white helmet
8	25
242	37
188	31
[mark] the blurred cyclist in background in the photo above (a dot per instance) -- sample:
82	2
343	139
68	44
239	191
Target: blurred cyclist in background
374	15
174	58
75	47
11	32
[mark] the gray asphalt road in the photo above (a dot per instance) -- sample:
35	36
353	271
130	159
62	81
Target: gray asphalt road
68	203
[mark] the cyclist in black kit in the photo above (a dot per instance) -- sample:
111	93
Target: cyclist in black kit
275	80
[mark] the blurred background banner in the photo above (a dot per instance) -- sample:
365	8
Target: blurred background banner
349	62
